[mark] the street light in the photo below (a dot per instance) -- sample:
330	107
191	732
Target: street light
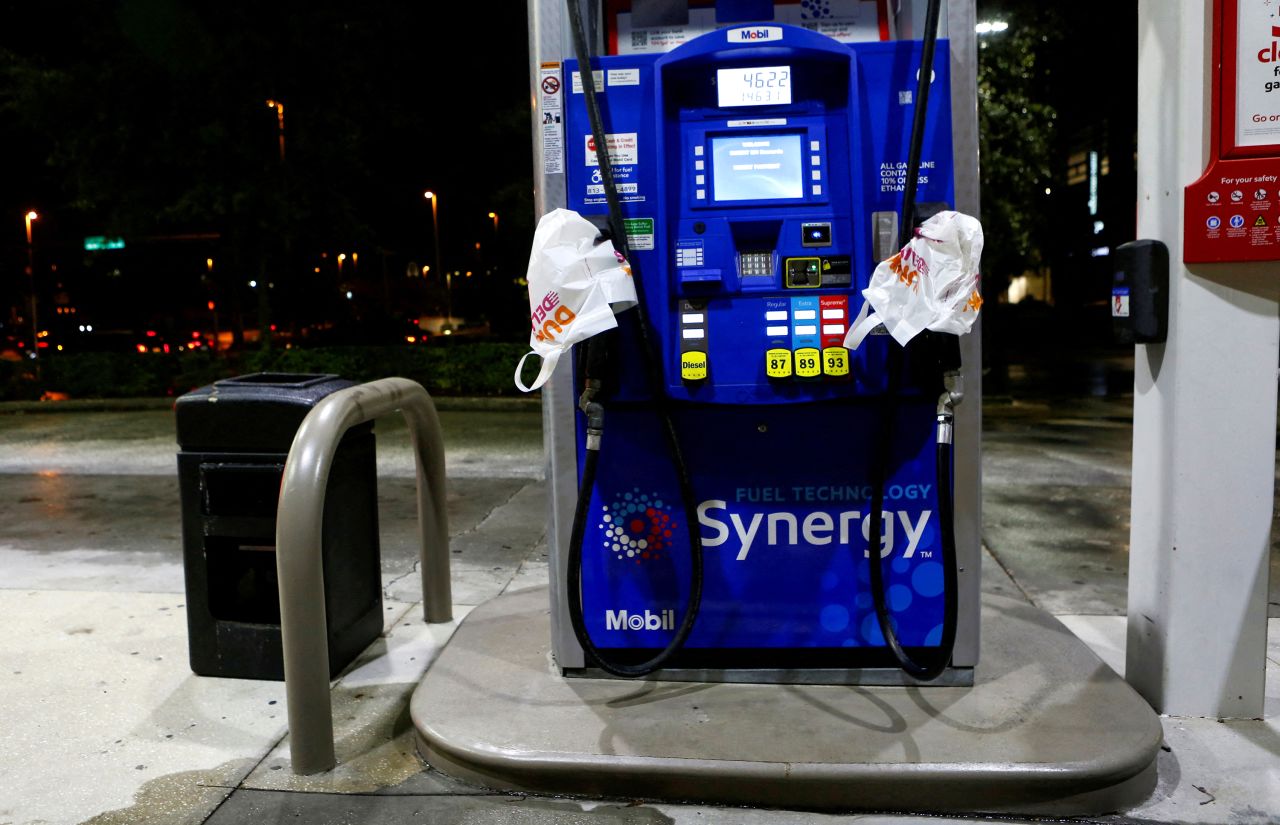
31	272
435	236
494	217
279	107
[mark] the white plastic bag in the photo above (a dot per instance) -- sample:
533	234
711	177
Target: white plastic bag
931	284
575	287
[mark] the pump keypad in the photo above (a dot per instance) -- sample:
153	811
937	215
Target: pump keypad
755	264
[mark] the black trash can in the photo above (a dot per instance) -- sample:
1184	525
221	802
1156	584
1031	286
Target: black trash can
233	439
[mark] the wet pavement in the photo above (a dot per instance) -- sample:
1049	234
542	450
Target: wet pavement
1057	455
108	724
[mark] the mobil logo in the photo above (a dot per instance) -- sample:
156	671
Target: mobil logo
648	620
754	34
637	527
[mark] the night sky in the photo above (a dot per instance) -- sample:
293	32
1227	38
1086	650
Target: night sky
147	120
437	105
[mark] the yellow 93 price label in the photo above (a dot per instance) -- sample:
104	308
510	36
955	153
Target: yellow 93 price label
835	361
777	363
808	363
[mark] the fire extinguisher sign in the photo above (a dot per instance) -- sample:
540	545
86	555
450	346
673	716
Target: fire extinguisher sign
1257	121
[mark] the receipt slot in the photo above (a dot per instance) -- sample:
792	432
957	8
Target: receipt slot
758	169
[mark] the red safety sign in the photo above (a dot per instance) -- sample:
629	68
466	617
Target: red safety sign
550	85
1232	213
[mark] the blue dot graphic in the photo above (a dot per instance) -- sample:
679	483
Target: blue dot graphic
900	565
933	637
829	580
834	618
862	601
864	571
849	643
871	630
927	579
899	598
627	496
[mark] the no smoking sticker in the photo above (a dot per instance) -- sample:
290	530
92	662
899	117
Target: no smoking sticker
550	111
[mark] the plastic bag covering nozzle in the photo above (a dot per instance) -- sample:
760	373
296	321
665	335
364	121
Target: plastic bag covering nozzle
932	283
576	283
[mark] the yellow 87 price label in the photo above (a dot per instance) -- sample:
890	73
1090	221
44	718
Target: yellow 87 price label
777	363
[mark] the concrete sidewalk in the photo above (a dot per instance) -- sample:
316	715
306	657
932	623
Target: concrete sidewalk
106	724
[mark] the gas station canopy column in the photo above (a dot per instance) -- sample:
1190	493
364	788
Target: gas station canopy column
1204	413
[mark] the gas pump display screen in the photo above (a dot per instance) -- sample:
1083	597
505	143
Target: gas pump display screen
757	167
756	86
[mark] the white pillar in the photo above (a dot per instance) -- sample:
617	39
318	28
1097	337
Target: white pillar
1204	414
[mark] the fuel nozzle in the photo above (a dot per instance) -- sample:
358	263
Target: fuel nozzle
597	364
952	394
594	411
947	351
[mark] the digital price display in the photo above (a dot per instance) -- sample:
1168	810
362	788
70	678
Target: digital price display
754	86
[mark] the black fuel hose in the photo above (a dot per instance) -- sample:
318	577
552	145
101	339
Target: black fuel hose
888	412
594	410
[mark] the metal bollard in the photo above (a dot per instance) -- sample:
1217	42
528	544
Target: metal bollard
298	525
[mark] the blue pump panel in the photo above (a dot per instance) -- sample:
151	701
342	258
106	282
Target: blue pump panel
759	157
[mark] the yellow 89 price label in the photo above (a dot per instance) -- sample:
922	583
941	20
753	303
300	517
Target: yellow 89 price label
777	363
835	361
808	363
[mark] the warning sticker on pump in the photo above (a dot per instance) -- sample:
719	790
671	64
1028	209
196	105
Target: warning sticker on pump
623	148
639	233
623	188
624	77
597	75
551	108
624	177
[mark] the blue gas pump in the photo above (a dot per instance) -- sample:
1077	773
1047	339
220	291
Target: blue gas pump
726	522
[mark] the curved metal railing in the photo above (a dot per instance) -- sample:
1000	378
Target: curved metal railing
298	560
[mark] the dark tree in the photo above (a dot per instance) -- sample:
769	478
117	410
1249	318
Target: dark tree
152	117
1017	138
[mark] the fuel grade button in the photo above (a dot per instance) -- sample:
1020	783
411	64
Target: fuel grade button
693	365
808	364
777	363
835	362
